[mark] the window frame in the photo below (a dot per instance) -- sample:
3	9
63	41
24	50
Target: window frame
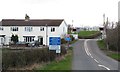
28	29
14	28
42	29
1	28
52	29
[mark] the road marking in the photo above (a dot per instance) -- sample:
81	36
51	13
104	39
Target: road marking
86	48
96	60
91	56
104	67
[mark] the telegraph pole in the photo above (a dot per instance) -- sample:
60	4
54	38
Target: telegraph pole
103	19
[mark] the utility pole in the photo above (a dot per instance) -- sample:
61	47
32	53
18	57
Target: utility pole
106	33
103	19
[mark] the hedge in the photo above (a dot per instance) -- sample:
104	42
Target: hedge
21	58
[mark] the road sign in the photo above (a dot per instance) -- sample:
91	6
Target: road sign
58	51
68	39
54	47
54	44
67	35
54	41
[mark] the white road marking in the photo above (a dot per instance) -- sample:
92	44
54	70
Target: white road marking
86	48
104	67
96	60
91	56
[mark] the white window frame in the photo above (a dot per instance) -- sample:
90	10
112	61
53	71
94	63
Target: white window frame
1	28
41	28
14	28
28	28
53	29
28	39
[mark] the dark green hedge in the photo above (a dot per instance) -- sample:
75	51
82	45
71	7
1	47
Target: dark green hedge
21	58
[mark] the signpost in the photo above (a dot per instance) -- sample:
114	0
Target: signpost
54	44
68	39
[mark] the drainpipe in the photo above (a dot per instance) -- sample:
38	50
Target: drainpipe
46	34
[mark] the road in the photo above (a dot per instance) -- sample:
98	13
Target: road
87	56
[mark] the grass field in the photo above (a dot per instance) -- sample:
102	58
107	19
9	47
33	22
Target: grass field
87	33
112	54
64	64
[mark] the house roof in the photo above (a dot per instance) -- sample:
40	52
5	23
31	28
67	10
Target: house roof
39	22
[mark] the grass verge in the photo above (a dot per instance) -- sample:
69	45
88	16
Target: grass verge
64	64
112	54
101	44
73	41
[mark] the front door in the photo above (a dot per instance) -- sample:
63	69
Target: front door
40	39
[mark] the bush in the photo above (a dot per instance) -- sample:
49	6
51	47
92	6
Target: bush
72	38
63	41
21	58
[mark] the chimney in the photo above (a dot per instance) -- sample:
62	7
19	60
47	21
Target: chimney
27	18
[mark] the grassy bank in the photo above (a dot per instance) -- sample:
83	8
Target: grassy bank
64	64
102	45
88	34
112	54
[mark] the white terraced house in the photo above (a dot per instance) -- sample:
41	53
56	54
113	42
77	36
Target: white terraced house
29	30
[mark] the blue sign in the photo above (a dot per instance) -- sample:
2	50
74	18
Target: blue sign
54	41
68	39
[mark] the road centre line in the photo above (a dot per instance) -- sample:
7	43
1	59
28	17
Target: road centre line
96	60
104	67
89	54
86	48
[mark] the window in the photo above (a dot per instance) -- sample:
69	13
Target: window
52	29
28	38
1	28
41	28
29	29
14	28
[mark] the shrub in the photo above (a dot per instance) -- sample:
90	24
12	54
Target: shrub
72	38
21	58
63	41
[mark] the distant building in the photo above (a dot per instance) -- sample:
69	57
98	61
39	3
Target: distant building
29	30
87	28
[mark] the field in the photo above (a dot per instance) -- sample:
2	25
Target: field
87	33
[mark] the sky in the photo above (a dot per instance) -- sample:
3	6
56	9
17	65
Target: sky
76	12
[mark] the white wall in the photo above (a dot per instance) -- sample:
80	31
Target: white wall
35	32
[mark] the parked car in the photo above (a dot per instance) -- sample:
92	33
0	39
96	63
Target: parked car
34	44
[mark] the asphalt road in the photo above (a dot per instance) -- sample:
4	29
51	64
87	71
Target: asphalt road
87	56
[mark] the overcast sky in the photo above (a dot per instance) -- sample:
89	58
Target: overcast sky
82	12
